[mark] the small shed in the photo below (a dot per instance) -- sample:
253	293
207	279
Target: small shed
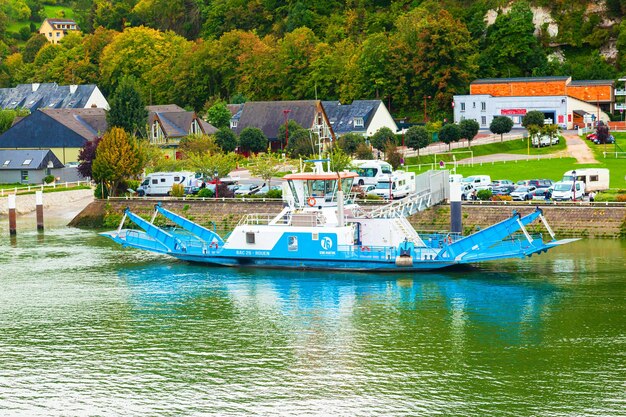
27	166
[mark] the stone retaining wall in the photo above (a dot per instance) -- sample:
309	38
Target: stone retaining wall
25	203
578	221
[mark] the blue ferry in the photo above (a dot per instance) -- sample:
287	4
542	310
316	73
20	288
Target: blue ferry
322	227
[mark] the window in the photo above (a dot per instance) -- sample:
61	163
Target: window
462	106
483	106
358	122
233	124
195	128
49	34
162	179
474	104
27	162
249	237
24	176
177	179
155	181
292	245
58	34
593	178
483	120
6	163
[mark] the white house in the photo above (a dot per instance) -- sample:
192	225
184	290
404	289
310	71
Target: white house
364	117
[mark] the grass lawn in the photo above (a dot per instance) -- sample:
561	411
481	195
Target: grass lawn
516	146
50	12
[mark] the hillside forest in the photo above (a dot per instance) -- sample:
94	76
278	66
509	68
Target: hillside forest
408	53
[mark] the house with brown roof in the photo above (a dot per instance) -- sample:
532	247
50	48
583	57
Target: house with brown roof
170	123
63	131
55	29
269	116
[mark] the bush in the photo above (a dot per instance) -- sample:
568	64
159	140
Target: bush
48	179
484	195
621	198
501	198
178	190
274	194
99	192
205	192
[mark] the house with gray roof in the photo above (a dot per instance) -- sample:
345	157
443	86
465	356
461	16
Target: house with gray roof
52	96
269	116
170	123
28	166
363	117
64	131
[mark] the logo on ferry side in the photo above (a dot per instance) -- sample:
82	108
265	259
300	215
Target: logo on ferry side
327	243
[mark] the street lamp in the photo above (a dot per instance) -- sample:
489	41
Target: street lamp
425	114
574	186
217	181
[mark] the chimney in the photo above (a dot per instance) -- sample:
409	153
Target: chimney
73	88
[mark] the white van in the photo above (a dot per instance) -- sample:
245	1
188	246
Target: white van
595	179
371	172
160	183
402	184
564	190
480	182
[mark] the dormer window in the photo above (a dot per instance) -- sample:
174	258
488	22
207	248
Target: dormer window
6	163
233	124
358	122
27	162
195	127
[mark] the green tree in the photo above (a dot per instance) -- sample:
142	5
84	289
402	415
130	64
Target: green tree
7	117
207	164
501	125
292	128
226	139
265	166
350	142
252	139
392	155
339	160
363	151
118	158
533	117
302	143
417	138
469	129
198	144
449	133
127	108
219	115
33	45
381	137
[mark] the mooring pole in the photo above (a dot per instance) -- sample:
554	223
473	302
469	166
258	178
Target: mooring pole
39	207
456	219
12	219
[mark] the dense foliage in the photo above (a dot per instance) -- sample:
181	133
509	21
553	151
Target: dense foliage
196	53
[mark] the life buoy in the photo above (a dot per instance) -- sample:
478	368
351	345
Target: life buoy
365	248
213	245
449	239
311	201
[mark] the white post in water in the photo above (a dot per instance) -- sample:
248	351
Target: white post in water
39	208
340	214
456	223
12	219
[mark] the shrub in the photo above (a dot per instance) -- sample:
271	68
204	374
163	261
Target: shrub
274	194
178	190
621	198
48	179
502	198
101	192
205	192
484	195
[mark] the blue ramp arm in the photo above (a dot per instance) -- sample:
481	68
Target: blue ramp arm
172	243
491	235
201	232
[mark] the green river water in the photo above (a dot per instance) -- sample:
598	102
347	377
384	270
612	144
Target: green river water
88	328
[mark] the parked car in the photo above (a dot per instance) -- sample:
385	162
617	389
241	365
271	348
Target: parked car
247	189
540	183
480	182
503	189
609	140
592	136
264	189
467	190
540	193
498	183
566	190
523	193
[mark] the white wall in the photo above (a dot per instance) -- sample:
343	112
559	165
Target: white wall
381	118
98	99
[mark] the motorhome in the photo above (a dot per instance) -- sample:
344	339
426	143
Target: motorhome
371	172
566	190
456	178
595	179
160	183
402	184
480	182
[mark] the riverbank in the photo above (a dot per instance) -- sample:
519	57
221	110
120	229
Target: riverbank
566	220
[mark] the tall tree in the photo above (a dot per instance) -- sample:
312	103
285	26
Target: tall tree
533	117
450	133
381	137
253	140
469	129
501	125
219	115
86	156
118	158
127	109
226	139
417	137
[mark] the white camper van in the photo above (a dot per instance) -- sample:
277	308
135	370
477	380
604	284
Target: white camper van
370	172
402	184
595	179
565	190
160	183
480	182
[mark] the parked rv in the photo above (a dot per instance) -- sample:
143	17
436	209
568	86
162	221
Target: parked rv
402	184
480	182
565	190
160	183
456	178
595	179
370	172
